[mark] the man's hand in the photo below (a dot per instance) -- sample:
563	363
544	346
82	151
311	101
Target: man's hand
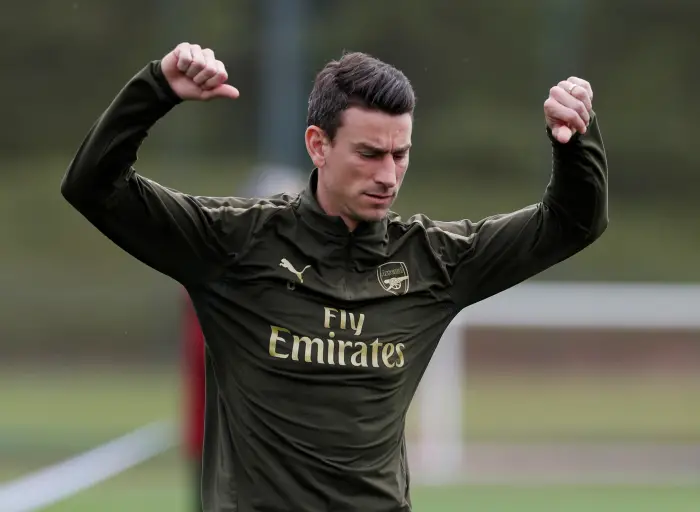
194	74
568	107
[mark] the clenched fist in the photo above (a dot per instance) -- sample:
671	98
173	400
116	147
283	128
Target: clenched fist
568	108
194	74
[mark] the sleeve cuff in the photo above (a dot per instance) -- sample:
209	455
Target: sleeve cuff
165	91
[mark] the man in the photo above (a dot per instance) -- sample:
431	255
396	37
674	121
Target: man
321	310
194	396
274	179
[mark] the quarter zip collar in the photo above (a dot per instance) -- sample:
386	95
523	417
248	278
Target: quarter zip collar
311	213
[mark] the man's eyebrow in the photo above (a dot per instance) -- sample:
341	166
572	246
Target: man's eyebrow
377	149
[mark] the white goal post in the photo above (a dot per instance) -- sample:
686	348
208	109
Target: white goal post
544	305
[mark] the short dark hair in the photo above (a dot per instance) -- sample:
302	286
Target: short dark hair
357	80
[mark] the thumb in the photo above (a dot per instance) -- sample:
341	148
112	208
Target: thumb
221	91
562	133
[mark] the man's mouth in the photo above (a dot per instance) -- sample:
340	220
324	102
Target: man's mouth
380	197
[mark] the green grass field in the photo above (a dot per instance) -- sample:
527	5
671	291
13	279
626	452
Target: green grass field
127	494
145	489
50	415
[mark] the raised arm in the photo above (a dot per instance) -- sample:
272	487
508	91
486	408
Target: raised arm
185	237
486	257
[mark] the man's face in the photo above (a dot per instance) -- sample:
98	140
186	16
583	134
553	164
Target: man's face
363	168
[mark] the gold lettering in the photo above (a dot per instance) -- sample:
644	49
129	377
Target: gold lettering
308	342
376	345
359	358
274	338
295	349
399	352
331	351
328	314
341	351
360	323
387	352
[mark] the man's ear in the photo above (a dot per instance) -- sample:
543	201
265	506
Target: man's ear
316	145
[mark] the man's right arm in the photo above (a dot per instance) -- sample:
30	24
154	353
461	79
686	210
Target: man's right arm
188	238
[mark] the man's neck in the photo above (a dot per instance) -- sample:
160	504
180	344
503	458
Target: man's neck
326	204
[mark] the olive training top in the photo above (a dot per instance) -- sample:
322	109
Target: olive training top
317	337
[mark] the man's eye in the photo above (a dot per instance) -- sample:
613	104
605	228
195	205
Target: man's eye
366	154
399	156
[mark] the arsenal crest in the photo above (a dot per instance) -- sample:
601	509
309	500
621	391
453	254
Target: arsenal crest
393	277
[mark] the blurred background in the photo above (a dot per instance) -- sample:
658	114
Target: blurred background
564	412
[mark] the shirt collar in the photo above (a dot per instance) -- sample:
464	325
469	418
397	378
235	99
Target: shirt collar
316	218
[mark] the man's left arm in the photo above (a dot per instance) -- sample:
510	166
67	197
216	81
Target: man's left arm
486	257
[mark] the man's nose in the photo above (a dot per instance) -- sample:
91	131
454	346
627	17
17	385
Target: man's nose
386	173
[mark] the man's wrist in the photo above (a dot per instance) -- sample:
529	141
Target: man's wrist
166	91
576	137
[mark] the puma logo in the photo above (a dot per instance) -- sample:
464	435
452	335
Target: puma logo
285	264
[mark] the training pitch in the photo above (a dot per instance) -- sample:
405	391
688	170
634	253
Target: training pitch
50	415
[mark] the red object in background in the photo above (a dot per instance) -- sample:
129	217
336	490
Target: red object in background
194	382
